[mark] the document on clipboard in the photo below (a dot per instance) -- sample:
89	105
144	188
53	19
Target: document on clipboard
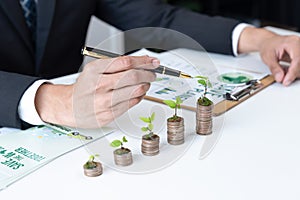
231	85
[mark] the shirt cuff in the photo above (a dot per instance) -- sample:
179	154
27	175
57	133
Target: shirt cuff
236	33
26	109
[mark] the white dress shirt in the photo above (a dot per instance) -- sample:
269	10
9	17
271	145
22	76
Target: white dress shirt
29	114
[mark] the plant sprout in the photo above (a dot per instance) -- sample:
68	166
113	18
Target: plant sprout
174	105
90	164
117	143
149	127
204	81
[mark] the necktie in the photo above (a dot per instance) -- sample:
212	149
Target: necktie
30	14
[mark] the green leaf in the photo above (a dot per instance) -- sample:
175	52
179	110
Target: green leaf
178	101
152	117
116	143
209	84
204	101
145	119
150	127
202	82
144	129
124	139
170	103
91	158
201	77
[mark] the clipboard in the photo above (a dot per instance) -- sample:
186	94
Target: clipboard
225	105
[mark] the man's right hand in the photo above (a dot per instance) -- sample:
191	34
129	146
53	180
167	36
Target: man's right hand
104	90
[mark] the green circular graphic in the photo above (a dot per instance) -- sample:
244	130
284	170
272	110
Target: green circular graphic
234	78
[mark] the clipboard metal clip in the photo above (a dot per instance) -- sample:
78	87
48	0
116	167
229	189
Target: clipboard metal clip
249	88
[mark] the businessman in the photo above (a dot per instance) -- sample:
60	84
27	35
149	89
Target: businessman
42	39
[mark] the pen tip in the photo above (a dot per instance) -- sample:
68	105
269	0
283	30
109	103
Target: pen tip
184	75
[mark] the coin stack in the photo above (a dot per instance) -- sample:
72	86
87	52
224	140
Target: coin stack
96	171
176	132
150	146
204	119
123	159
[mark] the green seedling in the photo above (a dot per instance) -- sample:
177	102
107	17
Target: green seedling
149	128
91	164
120	143
174	105
204	81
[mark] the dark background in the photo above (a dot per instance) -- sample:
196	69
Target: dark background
279	13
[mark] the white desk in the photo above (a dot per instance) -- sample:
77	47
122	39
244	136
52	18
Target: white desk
257	157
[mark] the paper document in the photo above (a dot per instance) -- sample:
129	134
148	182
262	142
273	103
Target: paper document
224	79
22	152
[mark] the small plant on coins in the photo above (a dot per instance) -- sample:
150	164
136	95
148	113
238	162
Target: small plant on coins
149	128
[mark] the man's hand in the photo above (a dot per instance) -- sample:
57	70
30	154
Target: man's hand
273	48
104	90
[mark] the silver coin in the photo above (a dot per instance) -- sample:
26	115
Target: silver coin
205	123
205	108
204	117
175	138
175	142
148	153
150	147
201	129
204	120
147	145
97	171
204	132
175	132
123	159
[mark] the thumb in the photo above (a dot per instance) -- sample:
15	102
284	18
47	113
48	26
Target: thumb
276	70
292	73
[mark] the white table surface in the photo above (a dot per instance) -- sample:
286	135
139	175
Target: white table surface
256	157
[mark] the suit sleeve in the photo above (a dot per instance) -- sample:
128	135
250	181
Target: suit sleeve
12	87
214	34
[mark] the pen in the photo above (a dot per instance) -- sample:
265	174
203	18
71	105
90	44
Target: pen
101	54
68	131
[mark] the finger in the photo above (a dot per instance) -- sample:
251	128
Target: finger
277	71
130	92
114	112
123	79
293	51
106	101
132	62
122	63
293	72
122	107
271	60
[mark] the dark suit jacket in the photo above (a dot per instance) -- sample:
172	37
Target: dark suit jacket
61	32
